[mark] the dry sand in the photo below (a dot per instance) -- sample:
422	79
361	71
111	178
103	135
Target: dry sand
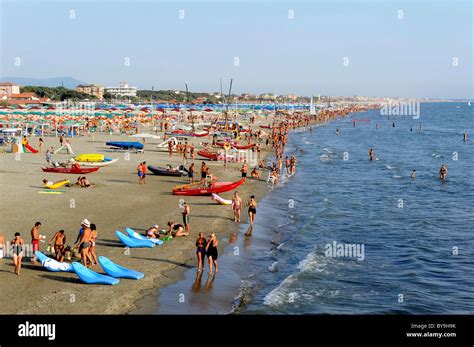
118	201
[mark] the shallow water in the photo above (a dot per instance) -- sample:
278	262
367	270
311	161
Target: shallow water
415	237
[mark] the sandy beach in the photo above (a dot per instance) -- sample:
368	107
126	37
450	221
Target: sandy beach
117	201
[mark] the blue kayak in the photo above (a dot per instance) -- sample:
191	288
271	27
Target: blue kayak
91	277
134	235
116	270
134	243
125	144
52	264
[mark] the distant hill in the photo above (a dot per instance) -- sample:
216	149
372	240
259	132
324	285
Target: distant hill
67	82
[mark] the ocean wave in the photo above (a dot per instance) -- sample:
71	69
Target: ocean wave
273	267
324	157
313	263
281	294
396	176
389	167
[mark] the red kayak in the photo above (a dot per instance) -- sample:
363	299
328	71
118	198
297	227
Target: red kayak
242	146
208	155
216	188
235	145
265	126
70	170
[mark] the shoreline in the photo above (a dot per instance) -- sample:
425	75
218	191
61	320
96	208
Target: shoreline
116	200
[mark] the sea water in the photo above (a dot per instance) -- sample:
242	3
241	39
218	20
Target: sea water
346	235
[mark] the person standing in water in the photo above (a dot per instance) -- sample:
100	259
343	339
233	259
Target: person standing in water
252	204
236	207
443	172
413	174
17	245
337	131
201	243
464	138
371	154
211	251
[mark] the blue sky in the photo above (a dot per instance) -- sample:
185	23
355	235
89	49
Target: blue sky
387	56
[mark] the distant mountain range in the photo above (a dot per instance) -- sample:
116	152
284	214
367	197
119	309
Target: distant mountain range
67	82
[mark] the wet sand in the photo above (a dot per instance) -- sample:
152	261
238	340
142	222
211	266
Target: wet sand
117	201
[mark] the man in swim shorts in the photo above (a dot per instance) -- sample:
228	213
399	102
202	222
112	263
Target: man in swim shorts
35	240
84	243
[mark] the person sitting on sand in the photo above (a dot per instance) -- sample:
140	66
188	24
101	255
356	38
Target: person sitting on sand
443	171
59	240
153	232
176	230
255	174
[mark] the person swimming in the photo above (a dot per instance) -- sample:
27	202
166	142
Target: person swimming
371	154
443	172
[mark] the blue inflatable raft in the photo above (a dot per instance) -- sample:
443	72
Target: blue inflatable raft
125	144
134	243
52	264
91	277
134	235
116	270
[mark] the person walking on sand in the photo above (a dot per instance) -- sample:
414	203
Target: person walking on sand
185	214
40	145
144	172
191	152
211	251
17	247
443	172
3	247
170	148
84	242
244	169
140	173
59	240
35	240
236	206
201	243
252	204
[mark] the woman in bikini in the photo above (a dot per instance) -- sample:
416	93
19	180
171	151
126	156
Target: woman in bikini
91	255
17	246
201	243
211	251
252	204
236	207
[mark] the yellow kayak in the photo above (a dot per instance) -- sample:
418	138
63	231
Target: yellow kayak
92	157
57	185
